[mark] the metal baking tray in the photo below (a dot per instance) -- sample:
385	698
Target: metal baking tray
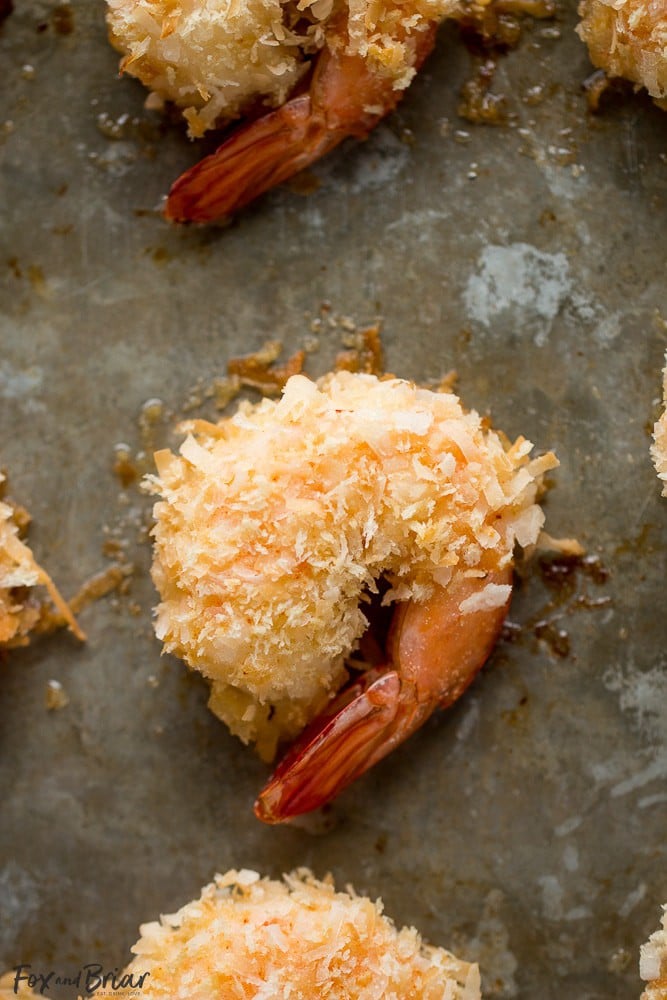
525	826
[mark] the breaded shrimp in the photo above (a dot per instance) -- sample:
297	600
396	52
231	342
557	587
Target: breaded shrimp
221	59
251	937
329	68
659	446
628	38
19	575
275	525
653	963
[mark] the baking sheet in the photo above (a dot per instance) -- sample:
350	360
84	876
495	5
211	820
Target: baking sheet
525	827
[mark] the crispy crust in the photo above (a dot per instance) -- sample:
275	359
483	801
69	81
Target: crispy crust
215	59
248	937
659	447
628	38
275	522
653	963
19	575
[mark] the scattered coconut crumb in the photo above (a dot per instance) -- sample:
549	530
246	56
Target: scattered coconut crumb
55	697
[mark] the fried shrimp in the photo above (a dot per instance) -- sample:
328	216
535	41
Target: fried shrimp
276	525
20	613
628	38
328	68
348	64
653	963
659	446
251	937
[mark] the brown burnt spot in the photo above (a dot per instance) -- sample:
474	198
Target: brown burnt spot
381	843
114	577
514	716
478	105
304	183
6	7
260	371
565	576
124	466
160	255
38	280
15	267
561	572
555	638
62	19
366	355
489	30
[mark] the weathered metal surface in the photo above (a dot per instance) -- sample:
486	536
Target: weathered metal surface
526	826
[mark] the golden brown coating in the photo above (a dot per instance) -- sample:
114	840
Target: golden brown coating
249	937
214	59
628	38
274	524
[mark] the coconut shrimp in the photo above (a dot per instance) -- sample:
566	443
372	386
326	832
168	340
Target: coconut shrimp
659	446
276	526
628	38
653	963
19	575
248	936
329	69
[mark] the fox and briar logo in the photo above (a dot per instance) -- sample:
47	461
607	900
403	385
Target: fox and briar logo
90	979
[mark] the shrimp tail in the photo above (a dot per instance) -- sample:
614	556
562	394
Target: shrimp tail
435	652
255	158
337	748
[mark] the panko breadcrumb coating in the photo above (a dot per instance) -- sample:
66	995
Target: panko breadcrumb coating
274	523
653	963
659	447
251	937
213	59
628	38
20	613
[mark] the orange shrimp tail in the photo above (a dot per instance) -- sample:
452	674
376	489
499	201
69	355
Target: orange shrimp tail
435	652
346	98
252	160
335	750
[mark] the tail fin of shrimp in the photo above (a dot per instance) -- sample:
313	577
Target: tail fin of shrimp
252	160
335	750
435	650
